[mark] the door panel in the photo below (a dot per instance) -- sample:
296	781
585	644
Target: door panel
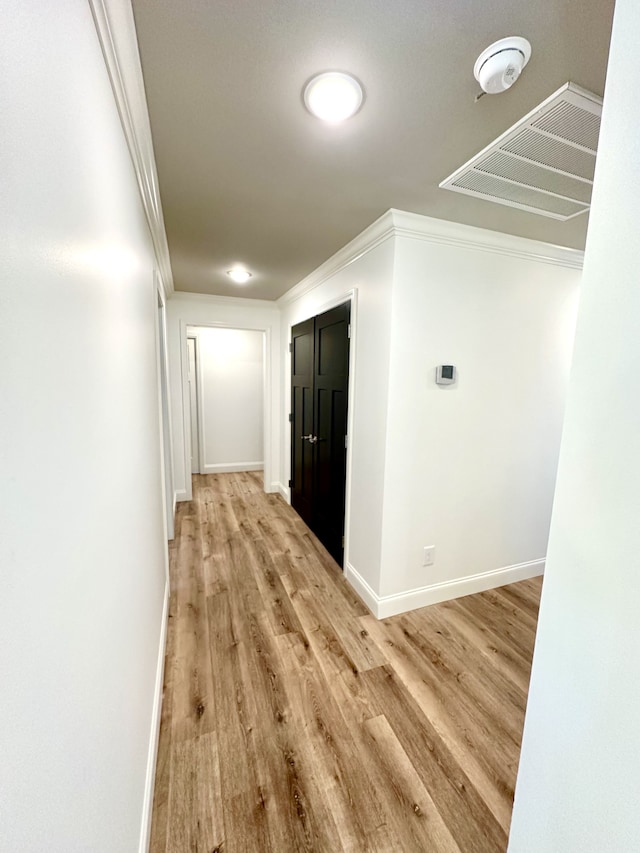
332	348
302	343
331	377
320	375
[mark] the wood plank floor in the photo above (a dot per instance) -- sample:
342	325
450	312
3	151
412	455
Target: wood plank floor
293	720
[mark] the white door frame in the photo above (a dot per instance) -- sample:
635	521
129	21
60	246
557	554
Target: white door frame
164	409
186	406
195	387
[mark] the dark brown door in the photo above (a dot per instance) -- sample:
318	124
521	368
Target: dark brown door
302	366
320	377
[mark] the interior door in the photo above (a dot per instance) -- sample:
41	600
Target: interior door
302	366
320	379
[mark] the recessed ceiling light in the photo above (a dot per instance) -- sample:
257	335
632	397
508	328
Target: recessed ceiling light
239	275
333	96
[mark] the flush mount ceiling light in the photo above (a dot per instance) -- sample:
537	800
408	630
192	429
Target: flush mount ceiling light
333	96
499	66
239	275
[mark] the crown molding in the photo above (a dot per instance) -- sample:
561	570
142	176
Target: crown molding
400	223
214	299
116	31
418	227
376	234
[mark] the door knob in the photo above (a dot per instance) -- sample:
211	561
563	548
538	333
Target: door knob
313	439
307	437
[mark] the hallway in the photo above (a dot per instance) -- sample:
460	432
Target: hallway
293	720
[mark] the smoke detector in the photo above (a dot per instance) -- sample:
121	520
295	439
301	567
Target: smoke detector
499	66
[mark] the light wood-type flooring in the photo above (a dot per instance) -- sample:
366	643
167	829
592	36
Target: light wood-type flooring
293	720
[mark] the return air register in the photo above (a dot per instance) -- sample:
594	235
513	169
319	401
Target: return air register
543	164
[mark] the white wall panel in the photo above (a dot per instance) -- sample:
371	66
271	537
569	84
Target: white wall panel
579	778
471	467
82	540
231	374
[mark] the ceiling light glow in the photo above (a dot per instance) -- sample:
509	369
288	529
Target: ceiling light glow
239	275
333	96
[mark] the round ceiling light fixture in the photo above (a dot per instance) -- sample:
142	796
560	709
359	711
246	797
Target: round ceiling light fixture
239	275
499	66
333	96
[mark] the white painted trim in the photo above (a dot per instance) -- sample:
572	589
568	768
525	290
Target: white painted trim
175	502
233	467
190	296
432	230
186	411
400	223
200	426
267	407
196	361
182	495
351	408
156	714
363	589
122	59
390	605
379	231
284	491
164	409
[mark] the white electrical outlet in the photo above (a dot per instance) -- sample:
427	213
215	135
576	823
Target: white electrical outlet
429	556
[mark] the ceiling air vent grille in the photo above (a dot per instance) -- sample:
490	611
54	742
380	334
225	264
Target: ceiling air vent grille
543	164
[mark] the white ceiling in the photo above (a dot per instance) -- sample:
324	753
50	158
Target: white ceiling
247	175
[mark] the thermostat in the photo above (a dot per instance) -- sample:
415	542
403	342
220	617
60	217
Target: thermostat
445	374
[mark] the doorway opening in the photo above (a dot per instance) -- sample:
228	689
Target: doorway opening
225	377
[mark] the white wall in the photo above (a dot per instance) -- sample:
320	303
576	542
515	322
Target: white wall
82	543
188	309
231	383
369	277
471	467
579	778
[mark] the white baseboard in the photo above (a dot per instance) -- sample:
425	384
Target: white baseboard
390	605
180	495
362	588
283	490
233	467
147	806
